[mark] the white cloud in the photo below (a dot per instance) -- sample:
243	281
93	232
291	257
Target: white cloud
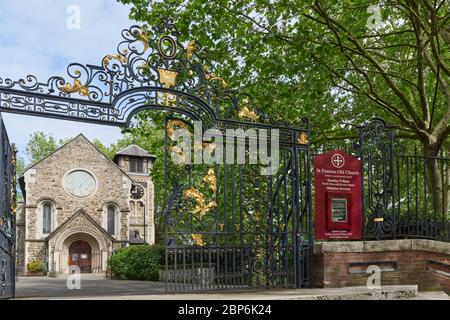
35	40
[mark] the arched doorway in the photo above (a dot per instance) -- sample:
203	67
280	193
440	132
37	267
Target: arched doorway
80	255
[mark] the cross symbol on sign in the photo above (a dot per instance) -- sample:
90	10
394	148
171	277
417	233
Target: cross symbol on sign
338	161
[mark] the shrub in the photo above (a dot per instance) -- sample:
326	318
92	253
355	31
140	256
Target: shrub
137	263
36	266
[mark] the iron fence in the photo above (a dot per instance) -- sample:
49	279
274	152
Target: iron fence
413	202
405	193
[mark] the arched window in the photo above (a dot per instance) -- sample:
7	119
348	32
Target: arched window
47	218
139	208
111	220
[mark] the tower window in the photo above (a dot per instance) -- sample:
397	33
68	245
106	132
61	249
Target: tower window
136	165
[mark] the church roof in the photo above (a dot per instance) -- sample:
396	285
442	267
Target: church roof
134	151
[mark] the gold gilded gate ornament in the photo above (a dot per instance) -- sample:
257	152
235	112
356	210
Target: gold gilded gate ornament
211	180
171	131
191	48
77	87
246	114
168	79
214	77
201	208
179	153
176	123
303	138
142	36
198	240
209	146
120	57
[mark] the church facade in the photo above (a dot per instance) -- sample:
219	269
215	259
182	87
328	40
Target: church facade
80	206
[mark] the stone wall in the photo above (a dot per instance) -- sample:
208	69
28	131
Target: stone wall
137	221
36	250
20	240
402	262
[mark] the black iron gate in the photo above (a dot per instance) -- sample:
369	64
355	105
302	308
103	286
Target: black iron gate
227	226
7	215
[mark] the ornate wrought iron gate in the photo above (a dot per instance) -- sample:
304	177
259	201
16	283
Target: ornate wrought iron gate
230	227
404	191
244	229
7	218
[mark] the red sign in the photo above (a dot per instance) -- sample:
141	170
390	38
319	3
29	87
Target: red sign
338	204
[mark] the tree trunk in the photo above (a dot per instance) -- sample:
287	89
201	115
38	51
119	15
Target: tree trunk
438	180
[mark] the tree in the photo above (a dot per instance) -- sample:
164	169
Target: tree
398	69
40	146
334	61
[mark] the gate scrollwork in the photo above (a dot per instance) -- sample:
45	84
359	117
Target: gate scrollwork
377	142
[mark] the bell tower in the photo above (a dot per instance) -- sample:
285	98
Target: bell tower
138	164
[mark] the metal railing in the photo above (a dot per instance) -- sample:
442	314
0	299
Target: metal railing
406	194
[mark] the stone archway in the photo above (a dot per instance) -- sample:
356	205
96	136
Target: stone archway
82	250
60	249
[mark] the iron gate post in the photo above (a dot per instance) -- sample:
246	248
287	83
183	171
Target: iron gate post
363	204
7	226
298	254
309	211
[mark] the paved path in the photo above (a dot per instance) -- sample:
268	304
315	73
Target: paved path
97	287
348	293
91	286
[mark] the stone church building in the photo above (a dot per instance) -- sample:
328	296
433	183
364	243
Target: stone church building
79	206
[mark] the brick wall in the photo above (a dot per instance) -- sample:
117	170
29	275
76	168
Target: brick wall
402	262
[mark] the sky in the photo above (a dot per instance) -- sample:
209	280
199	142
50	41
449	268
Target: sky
35	39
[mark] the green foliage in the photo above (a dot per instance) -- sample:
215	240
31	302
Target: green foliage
137	263
36	266
320	59
40	146
326	60
109	151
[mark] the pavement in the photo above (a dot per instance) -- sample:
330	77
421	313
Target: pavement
97	287
431	295
349	293
91	285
